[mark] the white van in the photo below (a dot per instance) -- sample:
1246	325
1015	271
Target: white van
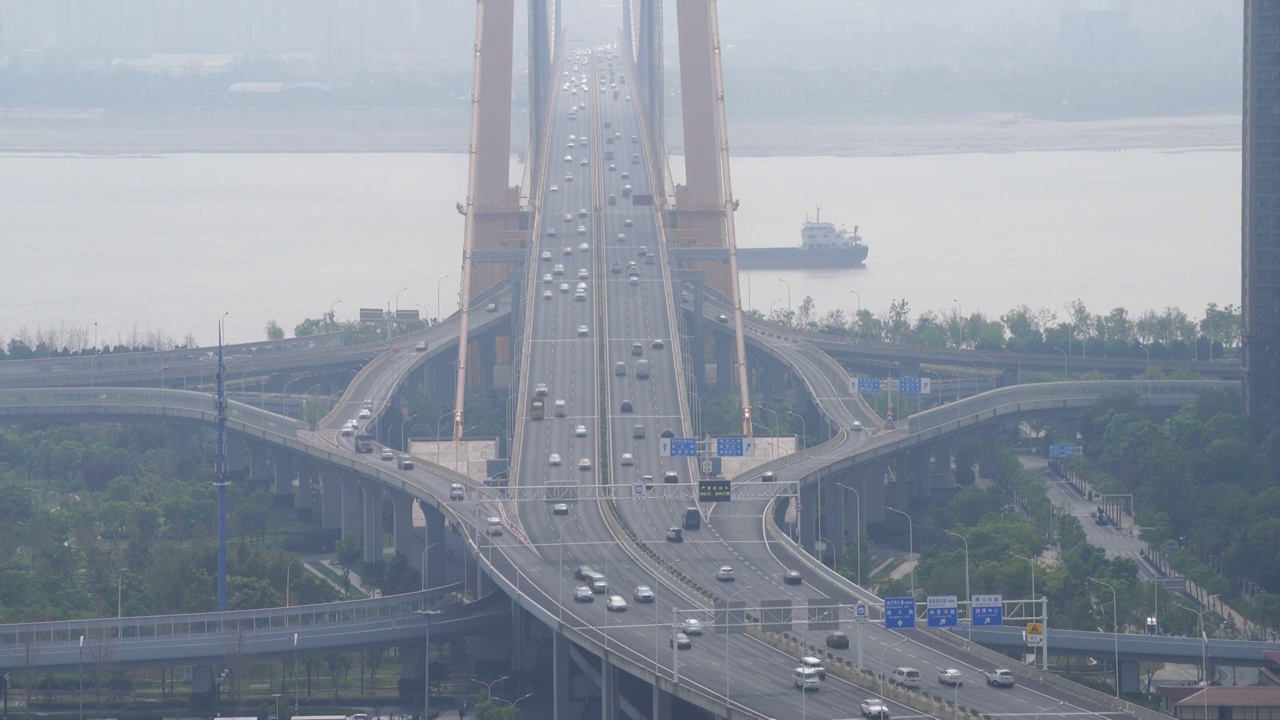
495	528
814	664
806	678
909	677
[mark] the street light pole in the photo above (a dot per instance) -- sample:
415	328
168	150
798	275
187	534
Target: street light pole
784	282
1064	361
858	528
295	673
911	547
732	595
857	313
424	564
960	322
1033	570
967	596
329	317
288	570
1204	654
93	360
1115	629
398	297
439	311
804	427
882	652
560	563
403	423
81	663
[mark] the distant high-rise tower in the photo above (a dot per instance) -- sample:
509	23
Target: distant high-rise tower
1261	217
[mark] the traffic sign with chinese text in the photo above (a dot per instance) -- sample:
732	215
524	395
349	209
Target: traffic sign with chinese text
900	612
988	610
942	611
866	385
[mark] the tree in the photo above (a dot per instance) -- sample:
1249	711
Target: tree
349	552
274	331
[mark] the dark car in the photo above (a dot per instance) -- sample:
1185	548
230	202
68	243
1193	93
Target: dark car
792	577
670	476
768	476
626	406
838	640
667	433
681	641
581	572
616	269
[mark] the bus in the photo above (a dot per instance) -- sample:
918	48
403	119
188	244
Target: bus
364	442
537	410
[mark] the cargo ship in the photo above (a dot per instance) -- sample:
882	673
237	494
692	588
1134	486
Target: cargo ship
822	245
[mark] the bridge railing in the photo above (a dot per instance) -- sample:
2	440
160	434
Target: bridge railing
987	403
69	632
127	401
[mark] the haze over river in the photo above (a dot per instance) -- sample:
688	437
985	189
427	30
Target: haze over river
171	242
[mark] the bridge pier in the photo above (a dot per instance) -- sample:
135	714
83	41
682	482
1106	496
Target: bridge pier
372	490
833	506
282	472
487	360
350	505
661	704
609	689
302	500
414	671
436	541
235	452
873	488
330	499
919	470
257	461
1130	677
561	673
403	539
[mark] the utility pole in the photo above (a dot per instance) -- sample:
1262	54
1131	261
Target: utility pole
220	480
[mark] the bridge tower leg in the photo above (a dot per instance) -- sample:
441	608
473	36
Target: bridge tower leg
918	462
833	522
404	540
628	40
350	505
413	670
282	469
661	704
258	461
372	491
330	499
649	77
302	500
540	82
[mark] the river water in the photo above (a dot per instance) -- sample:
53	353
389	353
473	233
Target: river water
172	242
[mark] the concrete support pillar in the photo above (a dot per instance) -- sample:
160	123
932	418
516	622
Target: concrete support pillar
257	461
282	468
487	350
918	461
442	374
807	518
1130	677
404	541
350	505
435	543
372	512
661	704
609	690
833	521
724	363
235	452
561	672
942	458
330	499
871	485
302	499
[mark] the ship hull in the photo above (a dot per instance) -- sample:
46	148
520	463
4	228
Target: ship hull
794	258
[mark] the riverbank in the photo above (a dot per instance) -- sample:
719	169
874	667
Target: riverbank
96	132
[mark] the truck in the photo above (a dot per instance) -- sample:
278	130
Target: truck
692	518
364	442
537	410
999	678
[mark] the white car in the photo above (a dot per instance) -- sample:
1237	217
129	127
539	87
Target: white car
724	574
627	223
582	229
616	603
568	218
875	708
584	162
580	431
364	414
583	247
558	269
567	250
545	255
583	331
564	287
583	274
347	431
643	594
554	460
857	426
546	278
551	232
546	295
554	188
950	676
568	177
691	627
560	509
388	455
584	464
627	459
568	158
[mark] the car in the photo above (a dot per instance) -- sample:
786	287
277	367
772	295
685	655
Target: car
950	676
768	476
583	331
908	677
568	158
553	459
657	344
584	162
642	250
724	574
612	167
635	140
628	98
633	279
627	459
554	188
582	593
616	269
347	431
568	217
491	307
455	491
567	250
643	594
812	663
582	230
583	274
551	232
560	509
564	287
580	431
540	390
1000	678
637	349
622	237
558	269
838	640
546	295
545	255
681	641
404	462
626	406
626	176
691	627
580	295
388	455
792	577
546	278
581	572
857	426
875	708
583	247
675	534
584	463
807	679
421	346
568	177
364	414
627	223
647	481
616	603
722	319
667	433
670	477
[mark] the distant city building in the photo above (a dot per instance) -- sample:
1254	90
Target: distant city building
1098	37
1261	225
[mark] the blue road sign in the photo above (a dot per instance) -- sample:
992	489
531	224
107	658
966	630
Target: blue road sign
909	385
679	447
987	610
1062	451
868	385
730	447
900	612
942	611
